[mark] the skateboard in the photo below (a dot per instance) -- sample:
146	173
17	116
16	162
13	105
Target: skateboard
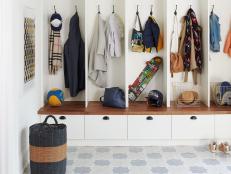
144	78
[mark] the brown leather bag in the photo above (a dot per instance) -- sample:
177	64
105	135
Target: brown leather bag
176	60
176	63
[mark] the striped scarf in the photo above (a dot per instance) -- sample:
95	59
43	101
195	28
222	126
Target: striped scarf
55	52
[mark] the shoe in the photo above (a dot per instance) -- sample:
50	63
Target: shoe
224	147
213	147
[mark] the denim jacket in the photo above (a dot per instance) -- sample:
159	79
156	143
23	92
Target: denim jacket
215	34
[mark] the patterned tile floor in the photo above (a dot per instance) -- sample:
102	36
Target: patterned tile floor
146	160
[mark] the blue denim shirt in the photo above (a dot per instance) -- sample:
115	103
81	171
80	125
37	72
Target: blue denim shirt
215	33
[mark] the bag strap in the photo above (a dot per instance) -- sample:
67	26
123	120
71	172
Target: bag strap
138	20
50	116
175	23
101	99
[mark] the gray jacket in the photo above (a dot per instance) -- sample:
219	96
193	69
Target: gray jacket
115	34
98	64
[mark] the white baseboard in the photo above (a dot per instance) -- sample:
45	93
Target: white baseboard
138	142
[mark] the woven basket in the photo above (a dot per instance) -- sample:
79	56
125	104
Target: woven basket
48	147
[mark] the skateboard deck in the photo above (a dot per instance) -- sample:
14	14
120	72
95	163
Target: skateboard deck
144	78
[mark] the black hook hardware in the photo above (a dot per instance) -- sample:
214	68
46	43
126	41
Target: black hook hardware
175	13
113	10
54	8
151	13
76	9
98	9
190	6
137	9
212	9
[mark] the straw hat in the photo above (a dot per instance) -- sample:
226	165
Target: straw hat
188	97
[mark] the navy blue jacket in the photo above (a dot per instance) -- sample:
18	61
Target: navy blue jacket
74	59
151	33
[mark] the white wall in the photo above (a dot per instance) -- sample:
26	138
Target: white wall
8	147
66	10
20	102
136	62
29	97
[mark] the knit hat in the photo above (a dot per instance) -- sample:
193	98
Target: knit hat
56	22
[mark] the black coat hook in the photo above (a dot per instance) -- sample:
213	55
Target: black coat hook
137	9
76	9
98	9
54	8
151	13
212	9
190	6
113	10
175	12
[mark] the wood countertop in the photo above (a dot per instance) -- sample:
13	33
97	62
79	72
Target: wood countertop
136	108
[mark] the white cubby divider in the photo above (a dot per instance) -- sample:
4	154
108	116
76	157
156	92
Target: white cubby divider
123	71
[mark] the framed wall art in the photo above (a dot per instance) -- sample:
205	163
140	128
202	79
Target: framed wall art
29	49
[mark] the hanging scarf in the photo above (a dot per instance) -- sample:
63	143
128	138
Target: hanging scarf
55	47
192	41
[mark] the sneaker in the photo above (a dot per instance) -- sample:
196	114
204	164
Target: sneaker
213	147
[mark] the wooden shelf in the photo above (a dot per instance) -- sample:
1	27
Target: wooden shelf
136	108
68	108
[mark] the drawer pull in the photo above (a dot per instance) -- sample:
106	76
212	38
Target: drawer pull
62	118
149	118
193	118
106	118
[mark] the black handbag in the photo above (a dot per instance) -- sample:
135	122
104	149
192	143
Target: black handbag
113	97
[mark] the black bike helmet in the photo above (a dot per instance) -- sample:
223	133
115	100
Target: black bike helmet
155	98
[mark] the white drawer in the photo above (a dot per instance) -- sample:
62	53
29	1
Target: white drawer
75	125
100	127
192	127
223	126
149	127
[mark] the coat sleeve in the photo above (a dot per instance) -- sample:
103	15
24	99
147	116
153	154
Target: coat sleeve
66	75
227	44
102	38
156	33
81	68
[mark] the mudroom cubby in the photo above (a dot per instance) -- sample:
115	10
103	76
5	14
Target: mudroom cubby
136	62
219	62
115	65
66	9
201	10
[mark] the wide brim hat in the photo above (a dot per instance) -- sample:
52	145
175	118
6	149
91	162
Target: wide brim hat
188	97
